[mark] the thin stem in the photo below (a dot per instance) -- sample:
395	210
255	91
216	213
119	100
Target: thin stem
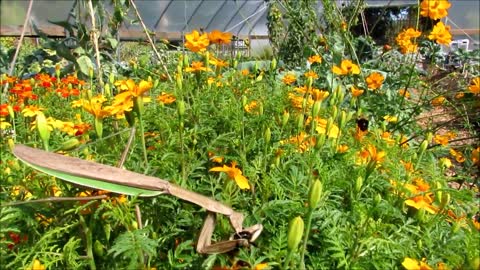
132	2
127	148
94	35
56	199
20	41
305	239
88	239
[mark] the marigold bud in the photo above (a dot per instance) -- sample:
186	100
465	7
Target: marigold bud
295	233
70	144
42	127
315	194
267	135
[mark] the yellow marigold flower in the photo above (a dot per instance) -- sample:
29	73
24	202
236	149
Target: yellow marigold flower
233	173
404	92
374	80
422	202
356	92
321	128
196	42
474	86
19	190
438	101
319	95
457	155
135	90
245	72
347	67
289	79
218	37
459	95
403	141
37	265
390	119
412	264
251	106
95	107
166	98
343	148
261	266
32	110
434	9
445	162
441	34
476	156
311	74
196	66
4	124
315	59
219	63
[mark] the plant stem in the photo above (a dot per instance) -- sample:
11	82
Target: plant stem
88	238
305	239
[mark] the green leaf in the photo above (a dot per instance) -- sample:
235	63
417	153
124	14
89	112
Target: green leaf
85	64
97	184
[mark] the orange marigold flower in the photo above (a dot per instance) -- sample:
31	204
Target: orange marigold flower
319	95
404	40
372	155
315	59
289	79
356	92
196	42
457	155
438	101
441	139
233	173
374	80
311	74
343	148
196	66
474	86
251	106
476	156
404	92
166	98
218	37
434	9
347	67
441	34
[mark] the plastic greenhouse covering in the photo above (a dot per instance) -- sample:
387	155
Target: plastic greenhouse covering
171	19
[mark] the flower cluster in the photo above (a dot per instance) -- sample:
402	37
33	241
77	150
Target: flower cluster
404	40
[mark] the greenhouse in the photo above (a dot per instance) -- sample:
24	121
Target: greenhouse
239	134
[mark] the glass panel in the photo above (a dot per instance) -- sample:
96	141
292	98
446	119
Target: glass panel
243	15
13	12
176	16
224	15
205	13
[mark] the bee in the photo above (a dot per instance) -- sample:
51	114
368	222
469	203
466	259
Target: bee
362	124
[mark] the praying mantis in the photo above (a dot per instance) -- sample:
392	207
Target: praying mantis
99	176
